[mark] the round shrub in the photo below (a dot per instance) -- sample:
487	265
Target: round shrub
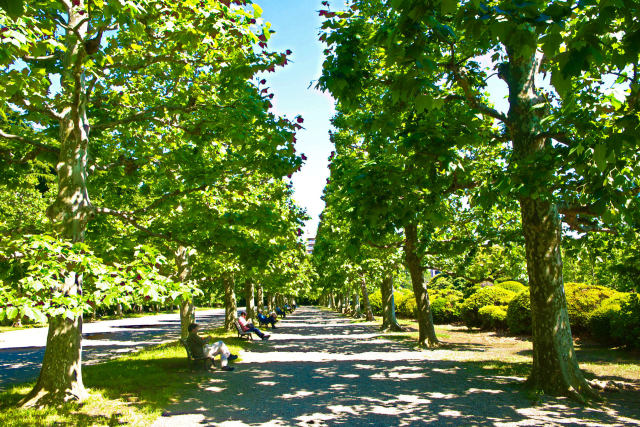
492	317
467	292
492	295
405	303
375	300
582	299
445	305
625	327
408	307
440	281
600	319
519	314
512	285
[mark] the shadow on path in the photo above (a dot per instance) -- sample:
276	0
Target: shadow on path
321	369
21	362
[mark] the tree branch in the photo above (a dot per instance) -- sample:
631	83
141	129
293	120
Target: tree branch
471	97
24	140
125	217
455	274
144	115
167	196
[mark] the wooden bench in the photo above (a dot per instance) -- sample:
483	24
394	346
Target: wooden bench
241	333
195	361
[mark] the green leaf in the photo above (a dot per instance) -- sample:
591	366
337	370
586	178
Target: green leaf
449	7
12	312
600	156
423	102
14	8
257	11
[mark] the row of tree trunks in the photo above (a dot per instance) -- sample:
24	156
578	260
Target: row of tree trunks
389	321
260	296
365	300
249	297
356	310
426	330
230	304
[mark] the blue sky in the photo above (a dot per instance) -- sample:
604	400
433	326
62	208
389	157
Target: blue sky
297	25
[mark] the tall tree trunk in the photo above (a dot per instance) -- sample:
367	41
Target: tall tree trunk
260	302
426	330
332	301
61	373
389	321
119	310
366	305
249	296
555	367
230	305
356	310
271	306
187	316
187	308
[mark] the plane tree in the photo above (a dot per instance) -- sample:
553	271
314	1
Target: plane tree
82	76
572	142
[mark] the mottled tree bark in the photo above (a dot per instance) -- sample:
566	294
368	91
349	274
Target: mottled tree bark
260	297
230	305
187	308
366	305
426	330
60	377
249	296
356	310
555	367
389	321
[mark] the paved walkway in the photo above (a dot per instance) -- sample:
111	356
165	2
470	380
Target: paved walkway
320	369
21	351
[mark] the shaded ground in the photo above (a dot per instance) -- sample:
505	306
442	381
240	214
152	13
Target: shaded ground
322	369
21	351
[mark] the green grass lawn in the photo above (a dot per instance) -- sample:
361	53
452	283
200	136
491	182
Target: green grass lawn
131	389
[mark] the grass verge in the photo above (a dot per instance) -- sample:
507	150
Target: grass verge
131	390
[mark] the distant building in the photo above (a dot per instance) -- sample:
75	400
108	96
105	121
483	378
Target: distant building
311	241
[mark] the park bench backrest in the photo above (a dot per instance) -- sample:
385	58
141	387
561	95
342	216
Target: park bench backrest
238	327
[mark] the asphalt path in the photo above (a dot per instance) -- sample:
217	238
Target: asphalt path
21	351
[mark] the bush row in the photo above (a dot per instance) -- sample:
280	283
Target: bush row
609	316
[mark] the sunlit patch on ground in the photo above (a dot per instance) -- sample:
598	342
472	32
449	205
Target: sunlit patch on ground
340	373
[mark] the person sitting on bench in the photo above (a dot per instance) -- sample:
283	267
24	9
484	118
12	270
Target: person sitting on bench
199	348
248	327
264	320
281	312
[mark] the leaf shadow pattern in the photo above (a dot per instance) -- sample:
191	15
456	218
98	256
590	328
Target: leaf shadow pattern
321	369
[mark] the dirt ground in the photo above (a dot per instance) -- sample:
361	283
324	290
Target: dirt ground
321	369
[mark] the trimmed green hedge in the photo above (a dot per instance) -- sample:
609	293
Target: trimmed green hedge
625	325
491	295
493	317
582	299
601	318
513	286
445	305
519	314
